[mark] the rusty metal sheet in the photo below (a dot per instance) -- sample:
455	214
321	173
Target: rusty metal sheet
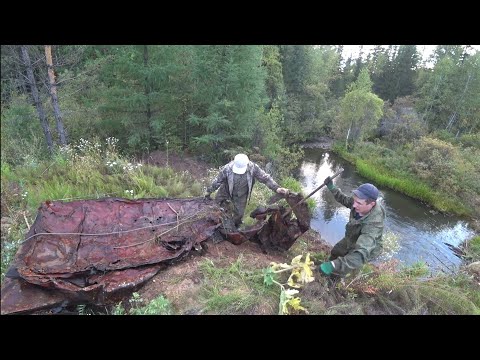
111	234
98	251
19	296
90	249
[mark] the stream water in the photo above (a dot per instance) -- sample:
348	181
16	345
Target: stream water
421	232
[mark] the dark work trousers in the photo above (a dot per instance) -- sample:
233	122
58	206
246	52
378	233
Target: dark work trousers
238	202
340	249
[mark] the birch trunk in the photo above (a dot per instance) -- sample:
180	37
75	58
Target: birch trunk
346	140
454	115
53	95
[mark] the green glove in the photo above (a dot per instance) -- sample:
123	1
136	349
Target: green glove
328	181
326	268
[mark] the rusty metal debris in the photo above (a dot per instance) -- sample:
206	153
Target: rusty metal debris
99	251
280	229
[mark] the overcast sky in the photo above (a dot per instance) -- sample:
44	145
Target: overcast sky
353	50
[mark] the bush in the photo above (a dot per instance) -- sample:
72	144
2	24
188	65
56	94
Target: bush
158	306
434	162
401	124
444	135
285	162
470	140
21	136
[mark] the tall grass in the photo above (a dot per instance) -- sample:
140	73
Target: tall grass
405	184
83	171
235	289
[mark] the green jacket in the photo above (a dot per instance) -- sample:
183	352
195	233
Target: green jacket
363	237
225	178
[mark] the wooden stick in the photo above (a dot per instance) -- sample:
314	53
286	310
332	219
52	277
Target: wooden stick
28	225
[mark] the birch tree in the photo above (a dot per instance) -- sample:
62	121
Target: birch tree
62	134
360	111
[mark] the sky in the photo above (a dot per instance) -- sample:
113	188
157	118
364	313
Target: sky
353	50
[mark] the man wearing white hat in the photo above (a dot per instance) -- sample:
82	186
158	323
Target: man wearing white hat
236	180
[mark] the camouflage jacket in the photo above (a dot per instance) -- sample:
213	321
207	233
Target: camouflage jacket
254	172
363	236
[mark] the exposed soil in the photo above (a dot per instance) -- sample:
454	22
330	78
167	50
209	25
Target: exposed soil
197	168
182	282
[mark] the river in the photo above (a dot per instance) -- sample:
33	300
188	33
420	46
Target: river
420	232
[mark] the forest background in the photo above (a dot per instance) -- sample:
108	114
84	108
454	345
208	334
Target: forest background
77	119
408	121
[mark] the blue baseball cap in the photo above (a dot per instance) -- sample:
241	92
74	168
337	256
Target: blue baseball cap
366	191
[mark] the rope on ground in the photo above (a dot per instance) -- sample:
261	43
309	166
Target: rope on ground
176	213
156	236
114	232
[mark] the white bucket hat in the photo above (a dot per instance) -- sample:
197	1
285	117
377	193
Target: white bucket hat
240	164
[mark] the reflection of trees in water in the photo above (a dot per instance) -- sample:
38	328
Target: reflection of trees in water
328	208
334	164
348	171
328	213
326	164
313	155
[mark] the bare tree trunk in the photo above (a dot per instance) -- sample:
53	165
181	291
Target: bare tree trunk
19	68
53	94
356	131
454	115
346	140
451	120
36	97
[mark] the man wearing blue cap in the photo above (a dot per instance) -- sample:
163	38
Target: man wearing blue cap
363	232
236	180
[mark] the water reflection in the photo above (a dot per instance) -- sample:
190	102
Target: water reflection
421	231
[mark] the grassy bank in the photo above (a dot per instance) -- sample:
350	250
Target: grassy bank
405	183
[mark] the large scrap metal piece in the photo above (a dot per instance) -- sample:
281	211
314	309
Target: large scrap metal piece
280	229
86	251
99	251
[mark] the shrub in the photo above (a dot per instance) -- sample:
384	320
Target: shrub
470	140
401	124
434	162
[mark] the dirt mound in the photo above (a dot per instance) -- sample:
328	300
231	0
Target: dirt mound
197	168
182	283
